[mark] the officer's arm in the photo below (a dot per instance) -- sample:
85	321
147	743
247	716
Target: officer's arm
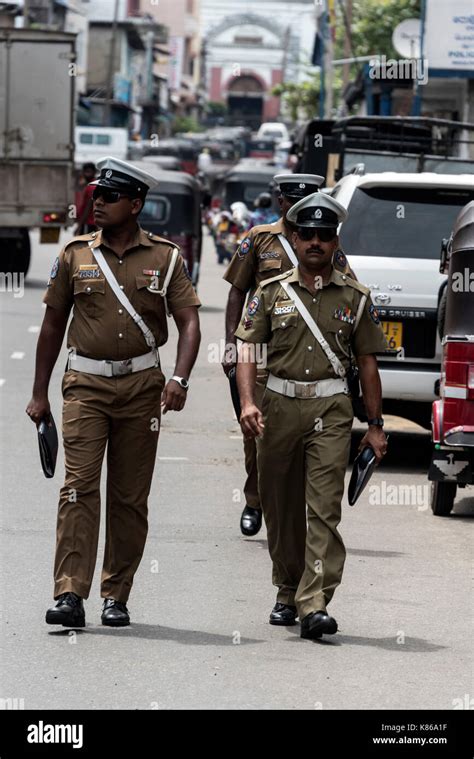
372	395
251	418
370	385
47	351
233	314
187	321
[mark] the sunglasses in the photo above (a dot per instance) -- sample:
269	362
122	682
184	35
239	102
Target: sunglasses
325	234
108	196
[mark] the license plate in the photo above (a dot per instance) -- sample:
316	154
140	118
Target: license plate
49	234
393	331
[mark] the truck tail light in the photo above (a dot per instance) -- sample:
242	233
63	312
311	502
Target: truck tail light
52	217
470	381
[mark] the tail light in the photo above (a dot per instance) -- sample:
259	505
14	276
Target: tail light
53	217
470	381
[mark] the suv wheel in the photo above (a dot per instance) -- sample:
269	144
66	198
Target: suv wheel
442	498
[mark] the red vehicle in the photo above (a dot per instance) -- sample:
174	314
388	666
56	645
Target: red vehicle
452	462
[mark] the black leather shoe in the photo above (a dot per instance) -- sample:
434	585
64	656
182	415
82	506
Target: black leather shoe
250	521
282	614
115	613
67	611
316	624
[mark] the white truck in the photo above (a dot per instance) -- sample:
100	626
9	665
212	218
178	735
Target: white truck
36	140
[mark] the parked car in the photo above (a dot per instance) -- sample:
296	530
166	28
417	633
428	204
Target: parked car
391	238
273	130
184	150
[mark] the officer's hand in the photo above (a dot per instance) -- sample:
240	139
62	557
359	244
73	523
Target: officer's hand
38	408
375	437
173	397
251	421
230	358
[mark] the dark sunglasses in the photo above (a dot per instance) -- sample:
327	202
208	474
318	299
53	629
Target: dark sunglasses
325	234
108	196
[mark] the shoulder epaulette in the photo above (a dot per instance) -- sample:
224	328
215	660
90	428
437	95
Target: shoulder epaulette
285	274
80	238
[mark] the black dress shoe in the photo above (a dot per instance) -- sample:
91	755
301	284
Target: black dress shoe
250	521
67	611
316	624
282	614
115	613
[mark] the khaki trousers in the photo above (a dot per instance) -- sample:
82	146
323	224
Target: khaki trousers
122	415
302	458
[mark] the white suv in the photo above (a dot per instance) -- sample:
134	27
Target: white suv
392	239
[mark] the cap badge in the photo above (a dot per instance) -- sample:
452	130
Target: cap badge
108	174
302	185
317	214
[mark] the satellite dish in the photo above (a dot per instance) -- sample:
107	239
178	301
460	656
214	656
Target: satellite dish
406	38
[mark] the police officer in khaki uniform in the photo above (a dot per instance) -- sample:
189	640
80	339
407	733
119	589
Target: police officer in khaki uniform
262	254
113	388
304	427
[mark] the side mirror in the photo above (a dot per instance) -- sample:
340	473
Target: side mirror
445	255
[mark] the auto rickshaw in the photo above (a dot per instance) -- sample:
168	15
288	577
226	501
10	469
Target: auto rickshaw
452	462
173	210
245	181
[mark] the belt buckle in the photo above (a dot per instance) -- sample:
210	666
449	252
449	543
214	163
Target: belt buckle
124	367
307	390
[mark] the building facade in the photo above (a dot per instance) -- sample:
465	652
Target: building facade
249	47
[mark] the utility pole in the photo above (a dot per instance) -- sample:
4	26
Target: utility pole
346	71
284	63
110	71
329	55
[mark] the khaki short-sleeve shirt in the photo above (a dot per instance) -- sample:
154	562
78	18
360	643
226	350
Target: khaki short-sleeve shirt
100	327
292	351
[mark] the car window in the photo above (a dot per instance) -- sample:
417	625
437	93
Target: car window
401	222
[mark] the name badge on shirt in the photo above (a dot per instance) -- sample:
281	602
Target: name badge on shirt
284	307
89	271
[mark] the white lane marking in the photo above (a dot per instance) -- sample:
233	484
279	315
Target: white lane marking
2	382
173	458
18	355
34	328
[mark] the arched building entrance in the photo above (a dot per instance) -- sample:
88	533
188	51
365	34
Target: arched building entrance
245	96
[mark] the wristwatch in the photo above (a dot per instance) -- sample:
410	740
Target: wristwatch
377	421
181	381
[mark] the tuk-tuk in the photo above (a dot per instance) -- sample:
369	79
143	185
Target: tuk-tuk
245	181
452	462
173	210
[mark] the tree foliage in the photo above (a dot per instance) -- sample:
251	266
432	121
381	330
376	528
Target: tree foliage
373	22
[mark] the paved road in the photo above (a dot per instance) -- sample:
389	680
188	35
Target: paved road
200	637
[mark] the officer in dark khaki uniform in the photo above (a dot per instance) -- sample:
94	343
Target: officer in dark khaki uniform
304	431
261	255
113	388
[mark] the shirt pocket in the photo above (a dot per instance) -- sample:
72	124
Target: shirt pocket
269	267
148	301
339	335
284	329
89	295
